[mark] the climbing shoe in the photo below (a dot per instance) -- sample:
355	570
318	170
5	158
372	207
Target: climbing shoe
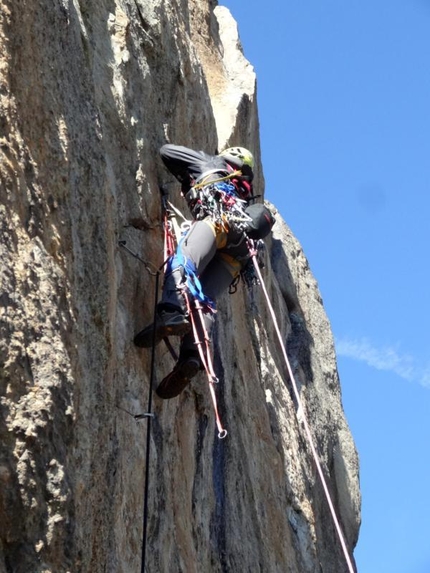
173	384
168	323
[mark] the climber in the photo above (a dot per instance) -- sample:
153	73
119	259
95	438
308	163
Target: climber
213	252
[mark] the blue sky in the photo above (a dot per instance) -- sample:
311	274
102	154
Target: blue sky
344	104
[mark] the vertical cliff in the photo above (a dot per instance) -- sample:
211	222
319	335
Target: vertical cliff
89	91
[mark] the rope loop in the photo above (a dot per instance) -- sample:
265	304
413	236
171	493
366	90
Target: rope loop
222	434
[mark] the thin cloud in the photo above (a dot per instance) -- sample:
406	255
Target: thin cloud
385	358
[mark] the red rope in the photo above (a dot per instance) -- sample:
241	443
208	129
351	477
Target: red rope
206	357
204	349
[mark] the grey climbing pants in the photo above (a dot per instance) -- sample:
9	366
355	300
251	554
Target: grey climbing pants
218	255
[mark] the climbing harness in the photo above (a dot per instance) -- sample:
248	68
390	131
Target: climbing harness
300	409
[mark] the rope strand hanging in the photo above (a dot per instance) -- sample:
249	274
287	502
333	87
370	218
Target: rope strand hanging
195	307
148	429
148	414
300	410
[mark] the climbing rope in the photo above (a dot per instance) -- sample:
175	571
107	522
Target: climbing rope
300	410
148	414
203	347
204	182
196	302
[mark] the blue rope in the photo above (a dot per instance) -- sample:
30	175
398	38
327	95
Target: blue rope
227	188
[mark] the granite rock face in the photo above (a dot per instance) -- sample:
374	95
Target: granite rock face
89	91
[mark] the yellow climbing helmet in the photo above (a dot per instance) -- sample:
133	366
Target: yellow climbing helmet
238	153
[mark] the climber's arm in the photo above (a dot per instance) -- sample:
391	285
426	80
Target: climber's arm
184	163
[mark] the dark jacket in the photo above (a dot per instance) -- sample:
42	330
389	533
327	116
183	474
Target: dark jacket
188	166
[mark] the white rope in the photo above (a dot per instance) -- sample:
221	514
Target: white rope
303	417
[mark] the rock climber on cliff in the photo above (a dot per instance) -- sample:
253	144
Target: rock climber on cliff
215	248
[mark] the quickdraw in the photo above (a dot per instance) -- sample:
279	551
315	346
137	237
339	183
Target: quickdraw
219	200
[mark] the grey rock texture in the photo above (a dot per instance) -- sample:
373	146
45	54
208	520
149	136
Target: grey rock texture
89	91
